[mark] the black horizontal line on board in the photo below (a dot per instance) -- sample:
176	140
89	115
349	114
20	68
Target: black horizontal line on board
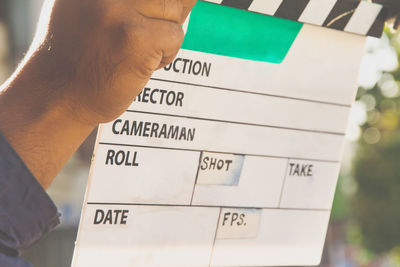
218	152
255	93
240	123
199	206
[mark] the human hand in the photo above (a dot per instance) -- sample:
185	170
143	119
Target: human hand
95	57
103	52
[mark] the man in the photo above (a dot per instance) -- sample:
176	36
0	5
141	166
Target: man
89	60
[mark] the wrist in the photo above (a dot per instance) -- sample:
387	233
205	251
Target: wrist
39	123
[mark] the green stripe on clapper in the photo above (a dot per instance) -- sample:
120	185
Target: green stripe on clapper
232	32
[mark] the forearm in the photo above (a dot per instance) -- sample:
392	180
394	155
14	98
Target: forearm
94	59
40	125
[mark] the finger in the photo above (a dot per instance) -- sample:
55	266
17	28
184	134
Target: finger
172	40
187	7
161	9
154	45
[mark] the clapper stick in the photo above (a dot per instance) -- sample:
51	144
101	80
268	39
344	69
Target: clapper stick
346	15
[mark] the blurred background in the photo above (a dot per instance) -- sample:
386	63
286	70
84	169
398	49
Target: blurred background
365	225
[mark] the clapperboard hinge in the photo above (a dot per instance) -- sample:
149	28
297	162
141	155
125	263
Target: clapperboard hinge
353	16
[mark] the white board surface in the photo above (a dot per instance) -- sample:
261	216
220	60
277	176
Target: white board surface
250	175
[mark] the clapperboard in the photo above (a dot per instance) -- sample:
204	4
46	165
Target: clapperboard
230	155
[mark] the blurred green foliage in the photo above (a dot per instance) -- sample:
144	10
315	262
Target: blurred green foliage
376	204
340	209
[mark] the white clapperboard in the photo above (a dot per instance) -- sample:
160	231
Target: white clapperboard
230	155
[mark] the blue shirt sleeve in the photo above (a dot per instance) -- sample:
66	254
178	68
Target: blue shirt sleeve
10	261
26	211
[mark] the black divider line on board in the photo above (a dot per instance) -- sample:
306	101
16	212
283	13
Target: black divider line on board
239	123
197	176
338	17
284	183
254	93
219	152
200	206
215	237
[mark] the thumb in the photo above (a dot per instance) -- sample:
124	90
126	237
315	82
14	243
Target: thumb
187	7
